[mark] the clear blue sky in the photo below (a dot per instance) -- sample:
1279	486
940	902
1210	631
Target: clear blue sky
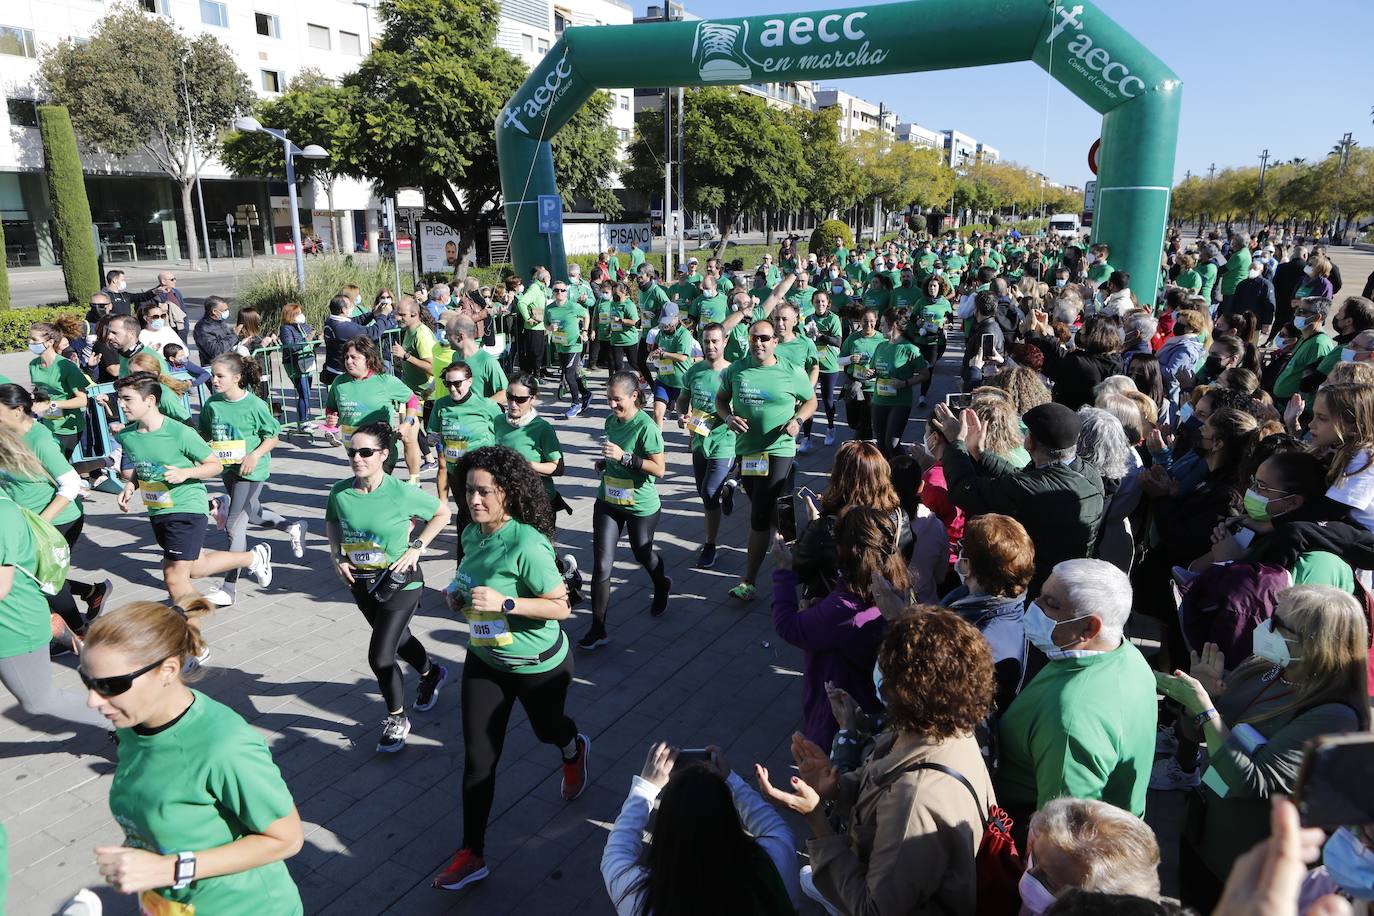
1292	77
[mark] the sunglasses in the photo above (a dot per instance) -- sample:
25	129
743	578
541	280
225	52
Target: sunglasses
560	289
761	338
114	686
364	452
519	400
152	315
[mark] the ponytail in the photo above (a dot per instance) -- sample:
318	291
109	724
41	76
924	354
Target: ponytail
247	369
149	632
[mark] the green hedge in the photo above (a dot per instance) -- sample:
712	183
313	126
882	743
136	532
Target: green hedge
71	210
827	236
15	323
269	289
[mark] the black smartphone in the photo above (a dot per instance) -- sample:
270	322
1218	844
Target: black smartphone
787	519
693	755
1329	791
958	400
989	347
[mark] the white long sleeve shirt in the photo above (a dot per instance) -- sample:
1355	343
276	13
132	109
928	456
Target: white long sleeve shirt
620	862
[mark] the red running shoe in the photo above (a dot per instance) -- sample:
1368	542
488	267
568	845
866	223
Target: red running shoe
575	770
466	867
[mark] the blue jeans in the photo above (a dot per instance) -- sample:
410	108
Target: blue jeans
301	385
710	474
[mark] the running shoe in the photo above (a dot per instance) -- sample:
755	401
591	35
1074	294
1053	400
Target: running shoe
63	639
100	595
575	770
804	447
663	590
466	867
593	639
296	532
1166	742
430	464
331	435
428	693
261	567
745	591
586	401
707	558
220	512
572	411
830	436
199	660
1168	775
84	903
921	403
572	578
222	596
394	731
727	496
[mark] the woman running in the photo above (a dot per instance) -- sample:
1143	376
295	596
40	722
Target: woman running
530	435
208	820
826	331
59	384
366	394
631	458
511	592
899	367
171	398
25	669
463	422
169	465
624	329
932	314
370	521
713	443
856	356
242	433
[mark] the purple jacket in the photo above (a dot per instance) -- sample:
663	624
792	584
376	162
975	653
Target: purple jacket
840	638
1226	603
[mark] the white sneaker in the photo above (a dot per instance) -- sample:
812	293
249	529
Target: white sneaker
192	662
1166	742
84	903
804	448
221	597
1168	776
296	531
261	567
830	436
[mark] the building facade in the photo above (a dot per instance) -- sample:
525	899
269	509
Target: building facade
920	136
857	116
136	208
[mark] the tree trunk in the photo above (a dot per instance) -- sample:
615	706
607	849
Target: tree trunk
192	239
334	223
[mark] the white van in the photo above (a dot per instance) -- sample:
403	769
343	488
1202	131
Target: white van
1065	225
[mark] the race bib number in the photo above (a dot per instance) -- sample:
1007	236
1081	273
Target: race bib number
365	555
151	903
487	629
887	387
347	430
53	412
754	465
455	448
666	366
646	322
155	493
620	492
560	338
698	422
229	451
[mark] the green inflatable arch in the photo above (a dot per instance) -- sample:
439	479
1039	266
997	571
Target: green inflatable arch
1077	44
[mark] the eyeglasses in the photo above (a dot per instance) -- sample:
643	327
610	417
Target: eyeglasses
363	452
516	399
761	338
114	686
1260	487
560	289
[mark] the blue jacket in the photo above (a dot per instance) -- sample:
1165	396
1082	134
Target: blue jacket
1177	354
1001	621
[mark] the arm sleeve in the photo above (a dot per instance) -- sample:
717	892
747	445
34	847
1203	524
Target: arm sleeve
763	822
620	868
1274	766
247	783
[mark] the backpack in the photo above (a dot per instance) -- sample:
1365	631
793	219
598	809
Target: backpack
997	865
52	555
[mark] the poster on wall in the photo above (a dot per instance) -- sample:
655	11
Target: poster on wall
582	238
621	235
438	248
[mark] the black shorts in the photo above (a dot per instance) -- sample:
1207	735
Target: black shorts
181	535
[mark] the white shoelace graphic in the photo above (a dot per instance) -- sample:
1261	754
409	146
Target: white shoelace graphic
717	40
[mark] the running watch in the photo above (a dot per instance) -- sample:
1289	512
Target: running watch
508	606
186	870
417	544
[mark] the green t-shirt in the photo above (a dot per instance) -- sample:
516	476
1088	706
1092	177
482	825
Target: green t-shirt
124	360
60	382
737	343
530	307
895	362
463	426
682	292
535	441
1208	273
907	297
800	351
636	258
580	292
204	782
376	398
235	428
564	324
24	623
171	445
828	324
680	340
487	375
1188	279
517	561
858	343
710	309
632	490
877	299
172	405
376	526
625	323
651	302
1308	353
35	493
766	397
857	272
1099	272
419	343
710	436
936	311
802	298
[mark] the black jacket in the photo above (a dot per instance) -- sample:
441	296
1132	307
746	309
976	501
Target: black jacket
1075	372
1255	294
213	338
126	303
1369	287
1287	277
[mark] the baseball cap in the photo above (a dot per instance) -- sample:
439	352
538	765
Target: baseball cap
669	314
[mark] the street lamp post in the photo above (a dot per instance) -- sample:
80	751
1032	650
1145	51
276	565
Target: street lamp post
312	151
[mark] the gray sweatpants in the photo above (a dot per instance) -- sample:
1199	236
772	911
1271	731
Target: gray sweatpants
245	505
29	678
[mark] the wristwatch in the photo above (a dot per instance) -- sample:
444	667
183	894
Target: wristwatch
508	606
417	544
185	871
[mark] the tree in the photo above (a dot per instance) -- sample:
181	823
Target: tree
139	85
423	104
312	110
71	211
4	275
832	182
741	156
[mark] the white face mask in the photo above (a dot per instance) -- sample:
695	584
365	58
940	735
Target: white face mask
1309	271
300	319
1270	646
1256	271
1040	629
122	285
1035	899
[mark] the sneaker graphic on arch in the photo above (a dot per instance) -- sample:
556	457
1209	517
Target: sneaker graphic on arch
719	52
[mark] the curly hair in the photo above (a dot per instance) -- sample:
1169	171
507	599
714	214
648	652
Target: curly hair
866	542
365	348
937	673
525	498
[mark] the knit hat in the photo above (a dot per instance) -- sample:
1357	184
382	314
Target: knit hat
1052	426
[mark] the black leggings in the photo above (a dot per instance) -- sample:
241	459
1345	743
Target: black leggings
391	637
607	523
827	382
624	358
764	492
860	416
488	697
571	364
931	354
532	360
889	423
62	604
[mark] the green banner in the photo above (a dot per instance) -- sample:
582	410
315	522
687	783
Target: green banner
1077	44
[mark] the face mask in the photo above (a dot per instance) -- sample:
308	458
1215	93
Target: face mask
1040	630
358	299
1347	355
157	324
1255	272
122	285
37	349
385	300
1270	646
1350	864
1278	343
961	570
1256	506
1061	282
1309	271
1213	366
834	274
1300	322
300	319
1034	897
